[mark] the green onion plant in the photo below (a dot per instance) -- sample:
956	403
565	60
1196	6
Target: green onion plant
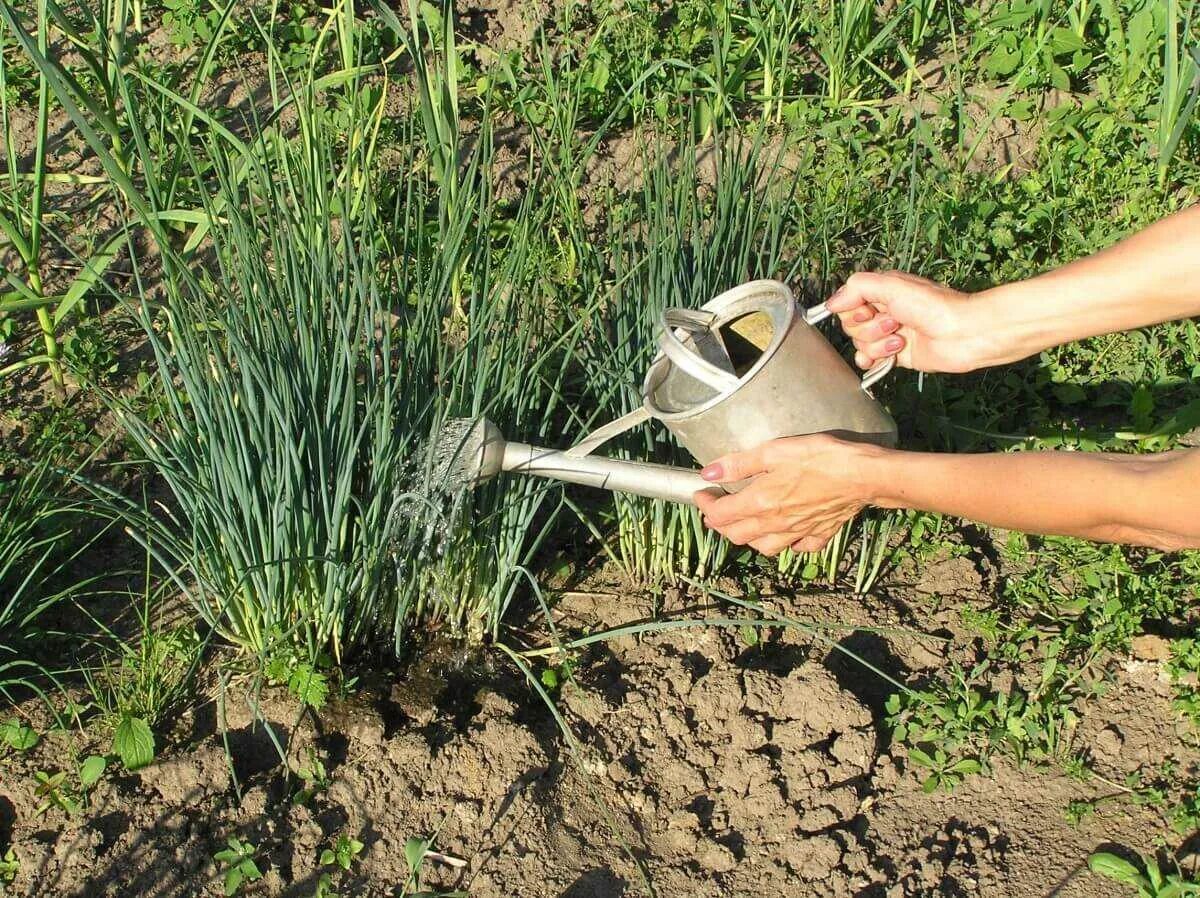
306	360
36	548
1180	84
677	243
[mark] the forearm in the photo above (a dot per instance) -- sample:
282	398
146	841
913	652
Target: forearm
1145	279
1151	501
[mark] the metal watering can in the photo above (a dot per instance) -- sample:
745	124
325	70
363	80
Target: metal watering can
747	367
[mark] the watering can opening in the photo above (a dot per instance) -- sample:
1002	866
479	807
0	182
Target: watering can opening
734	347
746	338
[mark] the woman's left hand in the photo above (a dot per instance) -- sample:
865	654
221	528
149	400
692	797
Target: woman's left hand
804	489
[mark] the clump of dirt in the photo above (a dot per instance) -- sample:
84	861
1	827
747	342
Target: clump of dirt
757	784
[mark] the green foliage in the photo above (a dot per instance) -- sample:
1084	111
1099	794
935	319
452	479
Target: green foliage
238	864
36	545
17	735
133	741
343	852
340	857
10	866
1184	671
309	685
91	352
190	21
68	794
415	851
314	777
1153	883
147	677
958	719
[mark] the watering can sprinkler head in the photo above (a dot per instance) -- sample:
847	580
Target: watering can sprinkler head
469	451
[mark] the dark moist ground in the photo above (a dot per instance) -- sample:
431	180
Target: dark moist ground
728	771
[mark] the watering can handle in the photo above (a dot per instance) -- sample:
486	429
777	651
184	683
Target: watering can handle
877	372
683	358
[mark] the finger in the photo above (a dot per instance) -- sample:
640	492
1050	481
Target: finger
862	288
844	300
863	360
736	465
882	349
736	507
705	500
856	316
810	544
746	531
878	328
773	544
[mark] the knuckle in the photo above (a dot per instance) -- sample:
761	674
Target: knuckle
860	280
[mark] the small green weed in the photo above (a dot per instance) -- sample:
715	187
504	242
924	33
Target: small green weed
10	866
314	777
17	735
140	682
416	850
91	352
340	856
133	741
237	862
57	791
1150	884
343	853
944	772
303	679
1184	671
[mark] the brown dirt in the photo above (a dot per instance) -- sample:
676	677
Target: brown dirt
727	769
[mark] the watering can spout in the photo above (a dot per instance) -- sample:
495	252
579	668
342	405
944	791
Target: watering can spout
475	450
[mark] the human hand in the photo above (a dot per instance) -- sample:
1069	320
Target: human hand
926	326
804	489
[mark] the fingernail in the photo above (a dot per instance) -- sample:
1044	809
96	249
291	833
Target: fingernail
893	344
887	325
712	472
863	315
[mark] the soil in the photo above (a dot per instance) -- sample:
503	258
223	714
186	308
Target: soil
725	769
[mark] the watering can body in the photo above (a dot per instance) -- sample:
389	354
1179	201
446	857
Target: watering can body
792	381
748	367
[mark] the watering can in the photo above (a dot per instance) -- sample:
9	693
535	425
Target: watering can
747	367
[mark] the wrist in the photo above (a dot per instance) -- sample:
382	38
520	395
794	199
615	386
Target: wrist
875	470
1014	322
995	333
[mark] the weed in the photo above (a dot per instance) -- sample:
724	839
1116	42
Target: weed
35	550
17	735
237	862
944	772
58	790
143	679
416	850
10	866
1152	883
303	679
133	741
343	853
91	353
314	777
1183	668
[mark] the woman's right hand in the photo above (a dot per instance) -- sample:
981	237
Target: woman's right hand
925	325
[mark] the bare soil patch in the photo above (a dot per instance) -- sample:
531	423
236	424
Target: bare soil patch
726	769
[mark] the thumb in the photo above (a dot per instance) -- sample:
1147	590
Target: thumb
735	466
